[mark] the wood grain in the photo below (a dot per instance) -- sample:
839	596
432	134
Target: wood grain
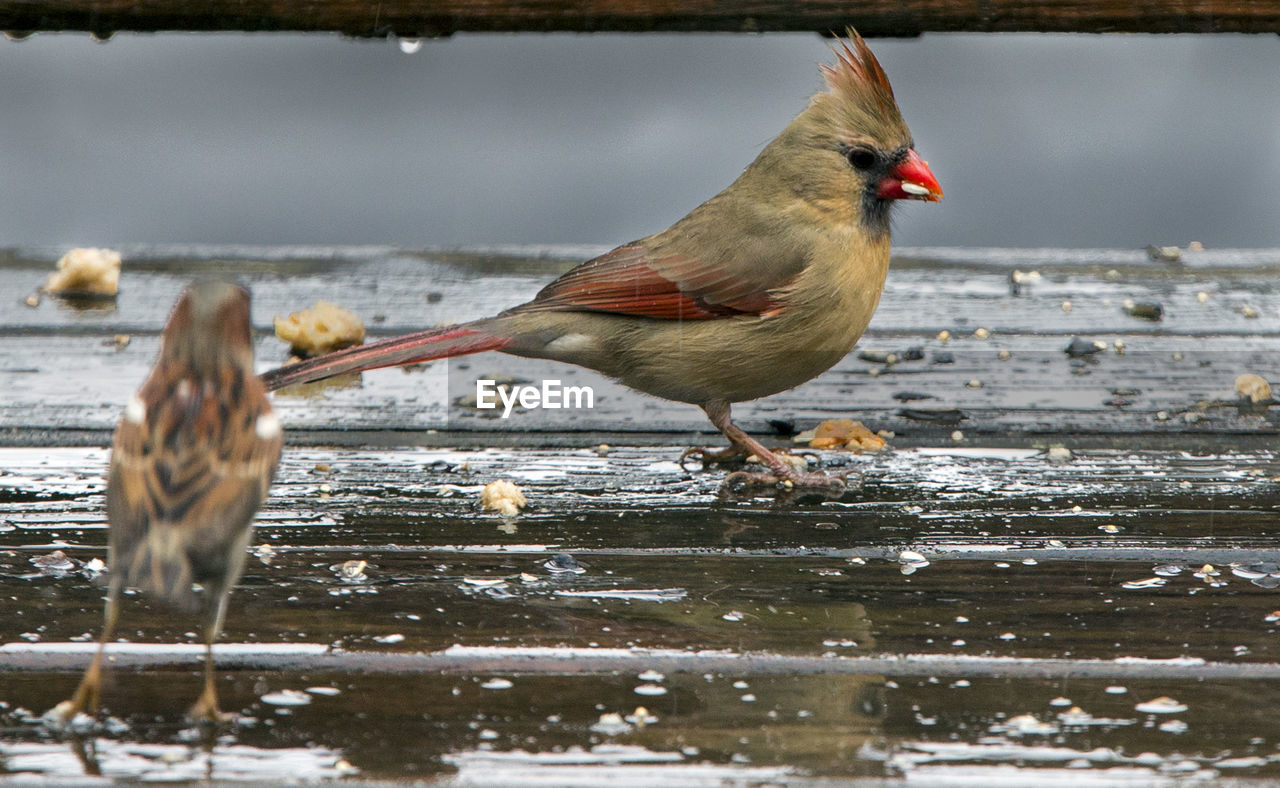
415	19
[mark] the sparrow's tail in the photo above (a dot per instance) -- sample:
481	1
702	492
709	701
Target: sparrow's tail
434	343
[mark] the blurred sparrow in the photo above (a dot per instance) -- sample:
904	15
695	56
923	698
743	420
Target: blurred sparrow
190	465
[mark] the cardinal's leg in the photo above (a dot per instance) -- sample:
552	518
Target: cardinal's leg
779	469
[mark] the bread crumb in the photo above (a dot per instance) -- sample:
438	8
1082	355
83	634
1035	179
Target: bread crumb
845	434
1253	387
86	271
321	329
503	497
1059	454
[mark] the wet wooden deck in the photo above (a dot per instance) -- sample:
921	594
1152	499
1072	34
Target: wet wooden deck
977	609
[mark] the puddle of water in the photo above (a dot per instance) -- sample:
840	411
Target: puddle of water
743	728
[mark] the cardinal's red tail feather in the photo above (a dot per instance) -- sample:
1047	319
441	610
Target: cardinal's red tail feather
412	348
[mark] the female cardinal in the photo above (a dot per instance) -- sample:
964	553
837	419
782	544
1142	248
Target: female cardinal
190	465
757	290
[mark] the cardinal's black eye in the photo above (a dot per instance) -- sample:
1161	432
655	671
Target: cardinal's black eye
861	158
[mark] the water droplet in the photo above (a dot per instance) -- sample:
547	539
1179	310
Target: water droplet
611	724
1060	701
1169	570
497	684
389	639
1254	571
1174	726
650	689
1116	689
350	571
1161	705
651	675
733	615
563	563
287	697
409	46
1150	582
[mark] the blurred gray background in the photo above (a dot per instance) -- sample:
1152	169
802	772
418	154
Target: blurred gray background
1038	140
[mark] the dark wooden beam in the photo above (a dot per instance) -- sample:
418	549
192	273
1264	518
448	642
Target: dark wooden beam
424	19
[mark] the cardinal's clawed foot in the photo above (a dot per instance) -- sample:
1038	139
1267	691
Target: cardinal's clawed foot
788	478
709	458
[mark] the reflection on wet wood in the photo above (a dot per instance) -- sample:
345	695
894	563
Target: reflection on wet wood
976	602
872	17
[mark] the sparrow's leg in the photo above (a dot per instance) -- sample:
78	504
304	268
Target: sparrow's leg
205	709
86	697
780	471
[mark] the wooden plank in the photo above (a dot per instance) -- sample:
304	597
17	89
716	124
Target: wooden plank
874	17
1172	385
789	638
924	624
1014	543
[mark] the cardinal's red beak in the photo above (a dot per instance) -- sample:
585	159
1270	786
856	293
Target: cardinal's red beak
911	179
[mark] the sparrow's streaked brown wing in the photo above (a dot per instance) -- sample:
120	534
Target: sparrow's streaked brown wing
190	465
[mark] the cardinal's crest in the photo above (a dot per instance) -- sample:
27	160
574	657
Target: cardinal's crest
856	72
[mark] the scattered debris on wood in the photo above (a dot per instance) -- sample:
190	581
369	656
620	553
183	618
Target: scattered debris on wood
1254	388
841	434
321	329
89	271
503	497
1164	254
